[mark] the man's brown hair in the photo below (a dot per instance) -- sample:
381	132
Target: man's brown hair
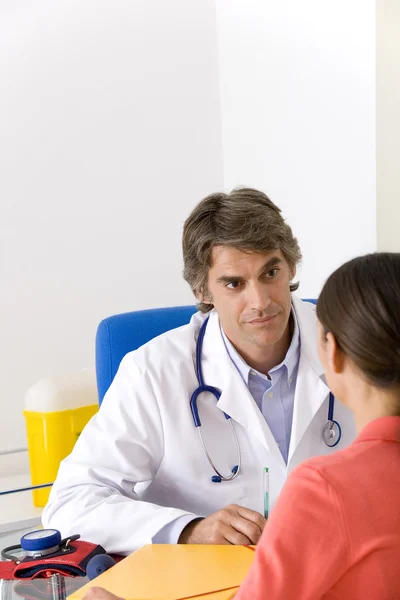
245	219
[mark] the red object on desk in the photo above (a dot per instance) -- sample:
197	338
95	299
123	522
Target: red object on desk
71	564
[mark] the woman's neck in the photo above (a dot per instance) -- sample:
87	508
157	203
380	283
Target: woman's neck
374	403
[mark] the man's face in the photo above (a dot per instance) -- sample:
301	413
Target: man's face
251	294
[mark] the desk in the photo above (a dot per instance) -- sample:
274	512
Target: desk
208	570
56	587
177	572
152	573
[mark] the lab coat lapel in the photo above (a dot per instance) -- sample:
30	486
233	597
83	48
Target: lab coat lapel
235	400
311	390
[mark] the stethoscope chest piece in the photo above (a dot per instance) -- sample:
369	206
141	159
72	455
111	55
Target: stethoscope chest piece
331	433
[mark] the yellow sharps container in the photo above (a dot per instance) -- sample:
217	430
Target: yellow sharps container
56	411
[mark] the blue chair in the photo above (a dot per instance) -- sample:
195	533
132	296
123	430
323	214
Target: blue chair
120	334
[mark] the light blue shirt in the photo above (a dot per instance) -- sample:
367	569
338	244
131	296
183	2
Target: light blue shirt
274	396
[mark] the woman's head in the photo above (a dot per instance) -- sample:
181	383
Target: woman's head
359	314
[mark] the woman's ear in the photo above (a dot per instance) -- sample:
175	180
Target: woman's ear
334	354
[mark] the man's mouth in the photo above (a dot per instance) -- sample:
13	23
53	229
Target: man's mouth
262	320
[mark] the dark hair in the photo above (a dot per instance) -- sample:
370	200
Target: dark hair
360	305
245	219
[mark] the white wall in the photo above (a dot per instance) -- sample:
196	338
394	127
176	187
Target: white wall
111	131
388	124
110	134
297	86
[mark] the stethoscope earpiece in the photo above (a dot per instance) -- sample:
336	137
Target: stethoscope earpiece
218	479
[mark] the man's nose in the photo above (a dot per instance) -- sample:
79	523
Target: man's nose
258	297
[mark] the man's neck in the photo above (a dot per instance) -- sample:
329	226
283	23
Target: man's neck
262	358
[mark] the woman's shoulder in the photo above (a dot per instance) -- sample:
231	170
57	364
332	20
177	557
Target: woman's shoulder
350	471
328	474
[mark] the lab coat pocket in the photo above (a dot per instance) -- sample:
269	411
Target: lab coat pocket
219	495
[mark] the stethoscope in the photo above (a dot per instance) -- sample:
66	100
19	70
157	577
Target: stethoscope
331	432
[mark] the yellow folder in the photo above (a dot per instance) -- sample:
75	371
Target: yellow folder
176	572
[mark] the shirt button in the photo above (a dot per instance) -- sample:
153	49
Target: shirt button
290	379
270	394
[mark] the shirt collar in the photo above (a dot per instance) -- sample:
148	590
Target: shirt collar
290	361
384	428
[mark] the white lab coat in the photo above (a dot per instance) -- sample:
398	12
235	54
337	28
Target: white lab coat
139	463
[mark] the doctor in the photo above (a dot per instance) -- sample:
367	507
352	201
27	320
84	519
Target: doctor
140	472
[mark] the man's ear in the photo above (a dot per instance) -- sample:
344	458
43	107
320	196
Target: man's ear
334	354
204	296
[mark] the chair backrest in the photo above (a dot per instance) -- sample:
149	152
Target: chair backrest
120	334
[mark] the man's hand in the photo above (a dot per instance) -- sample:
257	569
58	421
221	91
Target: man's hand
98	593
233	524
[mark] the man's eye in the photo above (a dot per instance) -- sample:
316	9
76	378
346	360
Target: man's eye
273	273
233	285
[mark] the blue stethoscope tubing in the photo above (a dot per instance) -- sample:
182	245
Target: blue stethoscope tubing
331	433
201	389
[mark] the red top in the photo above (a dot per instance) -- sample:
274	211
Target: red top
335	530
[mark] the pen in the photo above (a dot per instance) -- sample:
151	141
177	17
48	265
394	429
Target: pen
266	492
